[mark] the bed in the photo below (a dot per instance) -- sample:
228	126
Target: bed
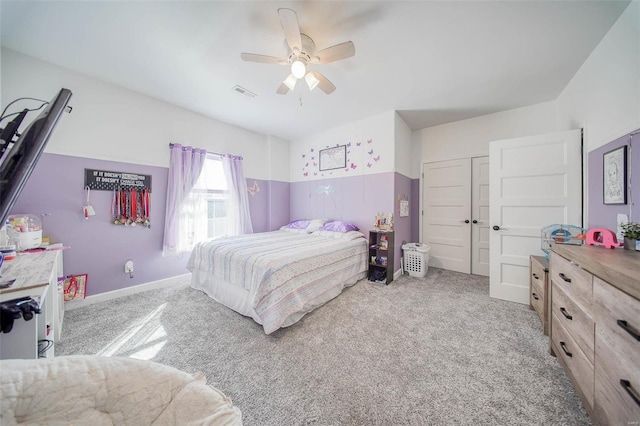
277	277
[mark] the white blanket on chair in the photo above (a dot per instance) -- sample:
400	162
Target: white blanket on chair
92	390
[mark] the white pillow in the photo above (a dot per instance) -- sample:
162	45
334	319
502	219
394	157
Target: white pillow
297	231
316	224
351	235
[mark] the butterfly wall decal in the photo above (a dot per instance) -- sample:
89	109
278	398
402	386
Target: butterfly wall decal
254	189
376	158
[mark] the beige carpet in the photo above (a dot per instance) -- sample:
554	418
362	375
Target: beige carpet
426	351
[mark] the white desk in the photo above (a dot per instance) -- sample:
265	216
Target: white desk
36	275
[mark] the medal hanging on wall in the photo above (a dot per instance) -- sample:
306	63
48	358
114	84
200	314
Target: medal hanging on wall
130	207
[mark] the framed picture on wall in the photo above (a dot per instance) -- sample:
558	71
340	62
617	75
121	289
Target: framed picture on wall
614	176
333	158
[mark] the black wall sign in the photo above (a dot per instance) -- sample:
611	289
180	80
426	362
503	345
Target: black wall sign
104	180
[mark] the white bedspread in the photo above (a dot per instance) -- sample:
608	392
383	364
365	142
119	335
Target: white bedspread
282	271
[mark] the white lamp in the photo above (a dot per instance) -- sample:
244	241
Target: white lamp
290	81
311	80
298	68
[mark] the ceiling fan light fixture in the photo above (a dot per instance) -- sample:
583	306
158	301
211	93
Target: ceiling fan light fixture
298	68
290	81
311	80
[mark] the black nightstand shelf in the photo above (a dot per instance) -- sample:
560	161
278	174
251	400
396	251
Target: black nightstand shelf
381	250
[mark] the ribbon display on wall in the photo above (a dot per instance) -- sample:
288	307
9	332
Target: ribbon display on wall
131	207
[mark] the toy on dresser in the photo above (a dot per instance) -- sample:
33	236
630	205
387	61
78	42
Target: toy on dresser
602	237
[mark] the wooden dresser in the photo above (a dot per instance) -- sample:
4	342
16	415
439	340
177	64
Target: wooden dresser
595	327
539	289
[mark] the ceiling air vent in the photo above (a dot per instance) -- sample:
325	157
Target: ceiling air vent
244	91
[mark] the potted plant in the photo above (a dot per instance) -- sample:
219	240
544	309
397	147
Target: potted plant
631	232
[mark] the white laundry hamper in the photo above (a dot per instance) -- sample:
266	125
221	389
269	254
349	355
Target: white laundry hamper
416	259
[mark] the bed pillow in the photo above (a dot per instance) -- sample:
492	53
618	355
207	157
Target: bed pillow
339	226
297	231
316	224
298	224
350	235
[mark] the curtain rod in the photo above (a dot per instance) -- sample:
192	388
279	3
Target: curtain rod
208	152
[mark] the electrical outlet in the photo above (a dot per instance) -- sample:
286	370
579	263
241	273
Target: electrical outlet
128	266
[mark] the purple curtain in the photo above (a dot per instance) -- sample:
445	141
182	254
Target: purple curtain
238	215
186	164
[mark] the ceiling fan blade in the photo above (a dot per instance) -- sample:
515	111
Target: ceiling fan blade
264	59
283	89
325	85
289	22
335	53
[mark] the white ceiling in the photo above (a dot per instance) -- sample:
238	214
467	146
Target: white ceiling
434	61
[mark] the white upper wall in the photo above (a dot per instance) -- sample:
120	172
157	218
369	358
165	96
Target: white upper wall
112	123
604	95
370	149
279	159
403	155
470	138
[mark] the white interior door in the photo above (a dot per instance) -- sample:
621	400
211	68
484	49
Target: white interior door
535	181
446	221
480	255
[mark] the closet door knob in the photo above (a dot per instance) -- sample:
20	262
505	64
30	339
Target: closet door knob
475	221
496	228
466	221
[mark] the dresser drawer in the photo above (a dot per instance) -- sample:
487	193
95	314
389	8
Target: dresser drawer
616	386
574	281
575	321
537	300
538	275
574	359
618	354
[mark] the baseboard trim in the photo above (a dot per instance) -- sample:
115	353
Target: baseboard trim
397	274
109	295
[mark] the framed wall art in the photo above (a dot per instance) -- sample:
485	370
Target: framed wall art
614	176
333	158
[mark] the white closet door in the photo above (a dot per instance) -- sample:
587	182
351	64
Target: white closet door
480	234
446	220
535	181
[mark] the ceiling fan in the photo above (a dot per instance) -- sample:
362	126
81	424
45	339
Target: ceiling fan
301	52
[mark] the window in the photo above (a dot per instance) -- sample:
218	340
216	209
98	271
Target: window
213	182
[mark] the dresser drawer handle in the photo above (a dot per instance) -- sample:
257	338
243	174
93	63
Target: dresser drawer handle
623	324
566	315
535	276
627	386
535	296
564	348
564	277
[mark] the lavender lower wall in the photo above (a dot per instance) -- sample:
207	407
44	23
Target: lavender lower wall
604	216
355	199
401	225
279	205
99	248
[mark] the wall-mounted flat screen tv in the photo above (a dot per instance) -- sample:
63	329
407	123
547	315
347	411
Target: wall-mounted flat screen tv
20	156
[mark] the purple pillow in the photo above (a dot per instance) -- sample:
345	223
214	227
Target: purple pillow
339	226
298	224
